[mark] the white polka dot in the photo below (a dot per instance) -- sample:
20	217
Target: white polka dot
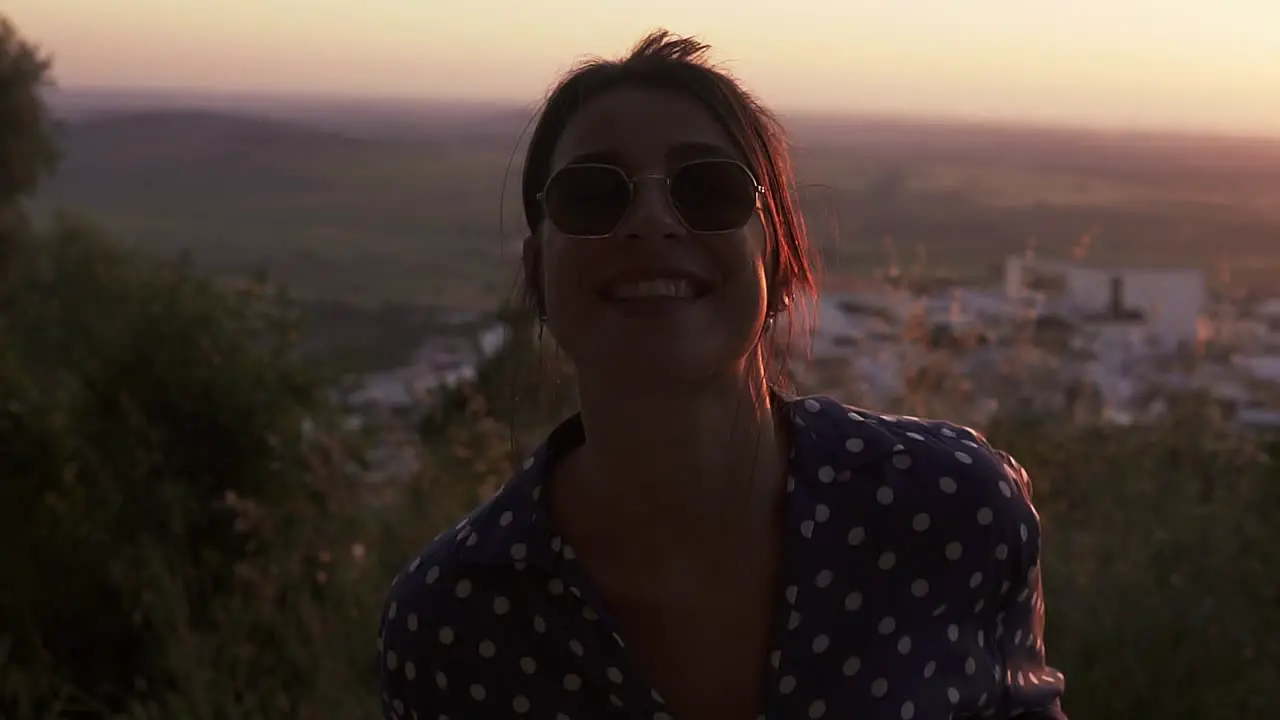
501	605
445	634
793	621
908	710
528	463
964	457
811	405
555	586
539	625
393	660
853	601
787	684
920	588
432	574
487	649
887	624
879	687
854	445
826	474
817	708
985	516
947	485
572	682
477	691
1022	529
505	519
576	647
823	579
442	682
954	551
391	610
614	674
1005	489
953	695
884	495
589	613
852	666
886	560
520	704
1002	551
821	643
775	659
953	632
528	665
463	588
806	528
904	644
411	622
791	594
857	535
617	701
518	551
970	667
948	432
902	461
975	580
929	667
920	522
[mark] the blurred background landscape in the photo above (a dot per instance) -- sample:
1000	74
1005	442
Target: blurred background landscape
256	349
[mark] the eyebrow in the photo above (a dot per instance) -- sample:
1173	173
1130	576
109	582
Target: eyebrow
692	150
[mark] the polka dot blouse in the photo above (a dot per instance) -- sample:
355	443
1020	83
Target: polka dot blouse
909	588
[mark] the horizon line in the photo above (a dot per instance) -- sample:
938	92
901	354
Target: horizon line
903	117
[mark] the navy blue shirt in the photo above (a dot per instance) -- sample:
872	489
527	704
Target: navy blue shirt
909	588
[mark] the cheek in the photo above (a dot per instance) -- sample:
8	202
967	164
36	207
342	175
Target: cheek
561	274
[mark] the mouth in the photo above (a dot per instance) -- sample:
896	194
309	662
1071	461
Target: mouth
627	290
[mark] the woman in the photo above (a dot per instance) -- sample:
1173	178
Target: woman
693	544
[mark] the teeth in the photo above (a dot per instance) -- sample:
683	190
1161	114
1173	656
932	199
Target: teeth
663	288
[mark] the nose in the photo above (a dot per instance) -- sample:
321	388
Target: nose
651	213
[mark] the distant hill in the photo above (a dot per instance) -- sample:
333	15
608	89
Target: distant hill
333	213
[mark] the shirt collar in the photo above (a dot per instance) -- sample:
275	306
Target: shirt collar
829	442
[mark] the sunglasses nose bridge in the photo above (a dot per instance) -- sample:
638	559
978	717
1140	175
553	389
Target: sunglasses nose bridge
651	203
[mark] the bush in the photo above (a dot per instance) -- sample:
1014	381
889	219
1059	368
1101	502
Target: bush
1161	559
183	519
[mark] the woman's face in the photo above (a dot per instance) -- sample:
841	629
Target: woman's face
654	299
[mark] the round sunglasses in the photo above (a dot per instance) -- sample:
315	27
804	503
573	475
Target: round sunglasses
590	200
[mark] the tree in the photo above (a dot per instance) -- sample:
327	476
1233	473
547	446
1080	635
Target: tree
28	151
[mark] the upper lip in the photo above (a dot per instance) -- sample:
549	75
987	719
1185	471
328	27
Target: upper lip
701	283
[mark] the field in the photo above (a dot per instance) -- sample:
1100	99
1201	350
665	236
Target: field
407	205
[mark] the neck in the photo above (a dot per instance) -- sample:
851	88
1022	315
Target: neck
704	461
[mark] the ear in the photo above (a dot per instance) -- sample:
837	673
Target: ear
531	265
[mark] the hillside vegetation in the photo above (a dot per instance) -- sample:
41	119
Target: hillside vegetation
190	532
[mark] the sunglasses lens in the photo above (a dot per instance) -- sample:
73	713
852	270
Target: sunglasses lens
587	200
714	195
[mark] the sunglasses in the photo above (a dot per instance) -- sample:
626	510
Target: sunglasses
590	200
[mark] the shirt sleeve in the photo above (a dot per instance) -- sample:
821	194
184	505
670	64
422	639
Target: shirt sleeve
418	676
1033	690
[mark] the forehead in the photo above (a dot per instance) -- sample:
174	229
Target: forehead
640	130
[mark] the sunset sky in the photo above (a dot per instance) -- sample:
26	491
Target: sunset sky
1192	64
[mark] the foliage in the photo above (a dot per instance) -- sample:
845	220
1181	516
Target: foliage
27	150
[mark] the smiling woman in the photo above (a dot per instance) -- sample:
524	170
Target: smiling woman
694	542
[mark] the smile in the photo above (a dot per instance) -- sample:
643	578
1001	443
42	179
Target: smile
659	288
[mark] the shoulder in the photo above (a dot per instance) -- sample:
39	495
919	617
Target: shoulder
947	468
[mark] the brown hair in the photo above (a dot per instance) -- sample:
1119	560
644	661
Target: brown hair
680	64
